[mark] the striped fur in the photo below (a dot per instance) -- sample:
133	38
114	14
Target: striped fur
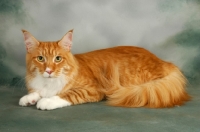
126	76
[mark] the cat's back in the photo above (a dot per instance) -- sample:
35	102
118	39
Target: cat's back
119	52
130	61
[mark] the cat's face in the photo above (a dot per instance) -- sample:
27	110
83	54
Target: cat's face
48	59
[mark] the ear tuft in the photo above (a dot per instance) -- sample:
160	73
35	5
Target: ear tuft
71	30
30	42
66	41
24	30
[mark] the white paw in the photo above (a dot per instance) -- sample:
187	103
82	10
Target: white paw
29	99
52	103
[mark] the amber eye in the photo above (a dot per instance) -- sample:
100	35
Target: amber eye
58	58
40	58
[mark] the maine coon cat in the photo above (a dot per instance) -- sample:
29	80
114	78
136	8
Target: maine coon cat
126	76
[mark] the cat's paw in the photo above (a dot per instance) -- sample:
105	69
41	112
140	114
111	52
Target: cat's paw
52	103
29	99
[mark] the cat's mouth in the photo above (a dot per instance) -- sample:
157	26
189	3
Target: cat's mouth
45	75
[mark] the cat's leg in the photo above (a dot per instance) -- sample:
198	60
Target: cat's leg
29	99
82	95
70	97
52	103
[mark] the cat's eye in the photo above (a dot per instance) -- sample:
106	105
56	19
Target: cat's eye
58	58
40	58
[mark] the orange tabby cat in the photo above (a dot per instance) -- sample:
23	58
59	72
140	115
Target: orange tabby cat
126	76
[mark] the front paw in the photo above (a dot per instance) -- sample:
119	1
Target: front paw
52	103
30	99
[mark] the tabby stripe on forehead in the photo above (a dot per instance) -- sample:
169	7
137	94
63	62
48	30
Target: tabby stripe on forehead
45	48
49	48
52	48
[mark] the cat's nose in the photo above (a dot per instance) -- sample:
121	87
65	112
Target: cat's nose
48	70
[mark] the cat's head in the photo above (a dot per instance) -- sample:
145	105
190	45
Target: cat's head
49	59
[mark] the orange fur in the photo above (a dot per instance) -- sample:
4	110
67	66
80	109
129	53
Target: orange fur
127	76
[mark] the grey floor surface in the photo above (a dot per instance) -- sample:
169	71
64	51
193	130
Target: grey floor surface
96	117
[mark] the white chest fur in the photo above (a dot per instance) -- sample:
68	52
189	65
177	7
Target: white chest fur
48	87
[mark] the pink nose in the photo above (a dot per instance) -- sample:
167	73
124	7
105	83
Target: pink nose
49	71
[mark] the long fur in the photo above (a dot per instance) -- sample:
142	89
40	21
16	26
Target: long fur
164	92
126	76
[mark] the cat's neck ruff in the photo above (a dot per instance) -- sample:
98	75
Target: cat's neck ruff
47	87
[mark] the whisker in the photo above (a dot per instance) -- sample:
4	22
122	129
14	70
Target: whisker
17	82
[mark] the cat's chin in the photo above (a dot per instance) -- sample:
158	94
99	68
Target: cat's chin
50	77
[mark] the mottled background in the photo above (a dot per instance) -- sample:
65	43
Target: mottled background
168	28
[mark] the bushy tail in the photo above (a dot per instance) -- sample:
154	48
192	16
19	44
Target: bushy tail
165	92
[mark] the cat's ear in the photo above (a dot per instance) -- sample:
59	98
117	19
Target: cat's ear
66	41
30	42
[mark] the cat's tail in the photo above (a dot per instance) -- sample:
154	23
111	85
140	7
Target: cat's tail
164	92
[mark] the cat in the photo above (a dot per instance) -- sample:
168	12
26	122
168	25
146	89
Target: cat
127	76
